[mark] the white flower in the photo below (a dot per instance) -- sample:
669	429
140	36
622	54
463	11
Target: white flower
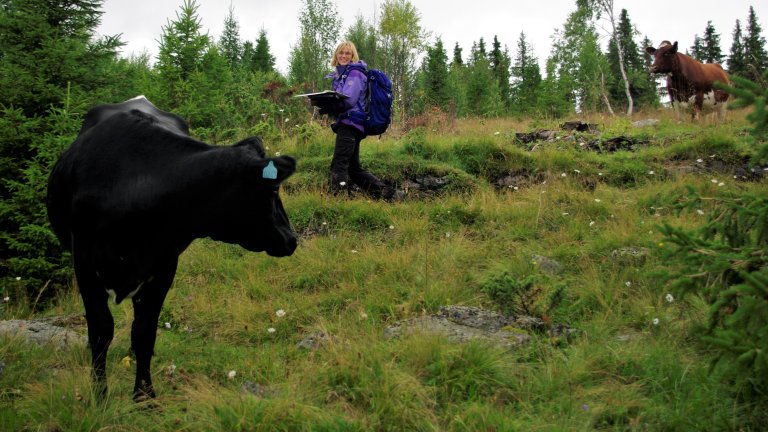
563	175
286	120
577	171
231	374
263	114
565	214
391	227
496	133
171	369
271	330
447	235
18	278
655	321
650	172
599	173
628	283
670	298
515	188
591	223
6	299
714	180
342	183
721	184
699	160
363	315
597	199
281	110
280	313
354	251
700	211
277	153
167	325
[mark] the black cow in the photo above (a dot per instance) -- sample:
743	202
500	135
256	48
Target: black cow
128	197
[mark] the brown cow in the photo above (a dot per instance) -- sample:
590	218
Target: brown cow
689	81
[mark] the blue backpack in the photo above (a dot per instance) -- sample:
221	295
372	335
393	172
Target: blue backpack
378	101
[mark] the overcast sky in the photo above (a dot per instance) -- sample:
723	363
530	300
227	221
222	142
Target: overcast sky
141	21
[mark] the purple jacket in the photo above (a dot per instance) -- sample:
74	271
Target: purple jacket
353	85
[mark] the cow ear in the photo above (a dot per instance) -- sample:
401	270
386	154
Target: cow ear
650	50
674	48
276	170
254	143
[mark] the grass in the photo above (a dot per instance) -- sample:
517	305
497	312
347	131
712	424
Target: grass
363	265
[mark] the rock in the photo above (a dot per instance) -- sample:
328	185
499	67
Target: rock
630	255
645	123
579	126
42	332
547	265
464	323
315	340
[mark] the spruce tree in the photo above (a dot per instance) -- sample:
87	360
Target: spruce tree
436	76
53	69
737	60
697	49
457	60
230	45
754	49
526	78
711	45
263	60
363	35
500	63
182	45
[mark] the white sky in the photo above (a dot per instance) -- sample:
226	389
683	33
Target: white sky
140	21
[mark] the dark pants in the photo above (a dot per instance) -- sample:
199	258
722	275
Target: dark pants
345	166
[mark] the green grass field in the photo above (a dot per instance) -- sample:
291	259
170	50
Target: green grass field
230	360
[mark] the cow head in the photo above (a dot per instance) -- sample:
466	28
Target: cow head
259	222
664	57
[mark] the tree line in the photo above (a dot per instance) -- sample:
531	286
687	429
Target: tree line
53	68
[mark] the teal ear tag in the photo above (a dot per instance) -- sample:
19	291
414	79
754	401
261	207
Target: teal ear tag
269	171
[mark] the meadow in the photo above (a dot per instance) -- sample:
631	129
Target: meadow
229	353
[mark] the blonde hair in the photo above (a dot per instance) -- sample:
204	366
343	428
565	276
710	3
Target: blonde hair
348	45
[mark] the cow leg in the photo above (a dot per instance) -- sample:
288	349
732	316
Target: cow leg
101	326
698	104
147	304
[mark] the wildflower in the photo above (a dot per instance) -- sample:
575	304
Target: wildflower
699	160
354	251
577	171
597	199
655	321
565	214
280	313
18	278
628	283
6	299
651	172
363	315
591	223
126	362
342	183
585	407
271	330
721	184
670	298
277	153
447	235
231	374
286	120
713	180
391	227
700	211
515	188
167	325
563	175
281	110
600	174
496	133
170	369
661	244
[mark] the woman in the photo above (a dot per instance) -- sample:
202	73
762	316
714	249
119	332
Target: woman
350	113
